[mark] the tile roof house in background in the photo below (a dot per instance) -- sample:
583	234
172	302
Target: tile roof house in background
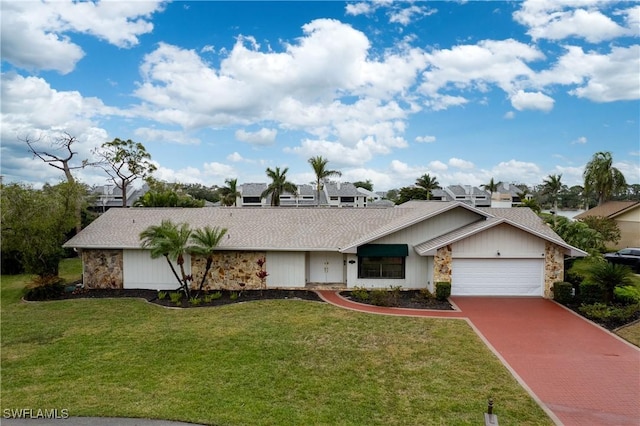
108	196
626	214
344	194
481	251
506	196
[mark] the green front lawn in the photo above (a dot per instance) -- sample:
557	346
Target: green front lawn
261	363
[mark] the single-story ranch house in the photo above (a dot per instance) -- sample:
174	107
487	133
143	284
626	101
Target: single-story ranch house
481	251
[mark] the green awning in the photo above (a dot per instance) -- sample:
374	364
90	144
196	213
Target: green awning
383	250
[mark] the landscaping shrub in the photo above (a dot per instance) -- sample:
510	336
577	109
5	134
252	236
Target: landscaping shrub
608	276
443	290
384	297
601	312
562	292
590	292
43	288
627	295
360	293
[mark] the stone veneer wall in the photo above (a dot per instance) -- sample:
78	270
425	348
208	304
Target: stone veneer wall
442	264
228	270
553	267
102	268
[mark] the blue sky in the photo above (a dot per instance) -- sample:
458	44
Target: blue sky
386	91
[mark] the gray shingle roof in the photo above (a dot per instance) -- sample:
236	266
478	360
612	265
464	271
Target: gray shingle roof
346	189
291	228
252	189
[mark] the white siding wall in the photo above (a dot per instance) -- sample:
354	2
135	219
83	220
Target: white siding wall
418	272
140	271
511	242
286	269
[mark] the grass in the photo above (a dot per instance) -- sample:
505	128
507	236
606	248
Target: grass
260	363
631	333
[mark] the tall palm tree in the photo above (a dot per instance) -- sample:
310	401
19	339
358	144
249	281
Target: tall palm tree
205	241
492	187
427	183
171	241
552	186
319	165
229	194
602	178
278	185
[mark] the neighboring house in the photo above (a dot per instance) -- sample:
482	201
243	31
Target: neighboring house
468	194
108	196
344	194
506	196
251	195
480	251
306	197
626	214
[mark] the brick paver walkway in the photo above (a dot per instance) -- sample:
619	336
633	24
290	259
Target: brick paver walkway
580	373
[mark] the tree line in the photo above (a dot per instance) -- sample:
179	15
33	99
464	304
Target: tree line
35	223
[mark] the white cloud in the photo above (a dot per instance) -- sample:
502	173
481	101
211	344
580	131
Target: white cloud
438	166
405	15
335	152
581	140
596	76
218	170
509	115
263	136
166	136
557	20
515	171
532	100
235	157
36	35
425	139
32	109
460	164
186	175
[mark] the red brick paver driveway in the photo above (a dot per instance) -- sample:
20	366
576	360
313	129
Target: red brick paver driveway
580	373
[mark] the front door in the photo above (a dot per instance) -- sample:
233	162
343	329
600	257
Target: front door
326	267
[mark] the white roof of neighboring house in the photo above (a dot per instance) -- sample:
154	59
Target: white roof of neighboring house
308	229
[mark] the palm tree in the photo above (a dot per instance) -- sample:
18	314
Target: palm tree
602	178
171	241
278	185
427	183
319	165
229	194
491	187
205	242
608	276
531	203
552	186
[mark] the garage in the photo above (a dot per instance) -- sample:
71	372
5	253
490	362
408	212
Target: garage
141	271
497	277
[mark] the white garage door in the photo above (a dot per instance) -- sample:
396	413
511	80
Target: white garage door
497	277
140	271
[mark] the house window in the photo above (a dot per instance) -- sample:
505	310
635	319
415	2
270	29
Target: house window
381	267
250	200
382	261
332	198
308	197
347	199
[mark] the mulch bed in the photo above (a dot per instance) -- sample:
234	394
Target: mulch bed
412	299
226	297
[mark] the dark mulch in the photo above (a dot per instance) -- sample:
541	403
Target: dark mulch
413	299
226	297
